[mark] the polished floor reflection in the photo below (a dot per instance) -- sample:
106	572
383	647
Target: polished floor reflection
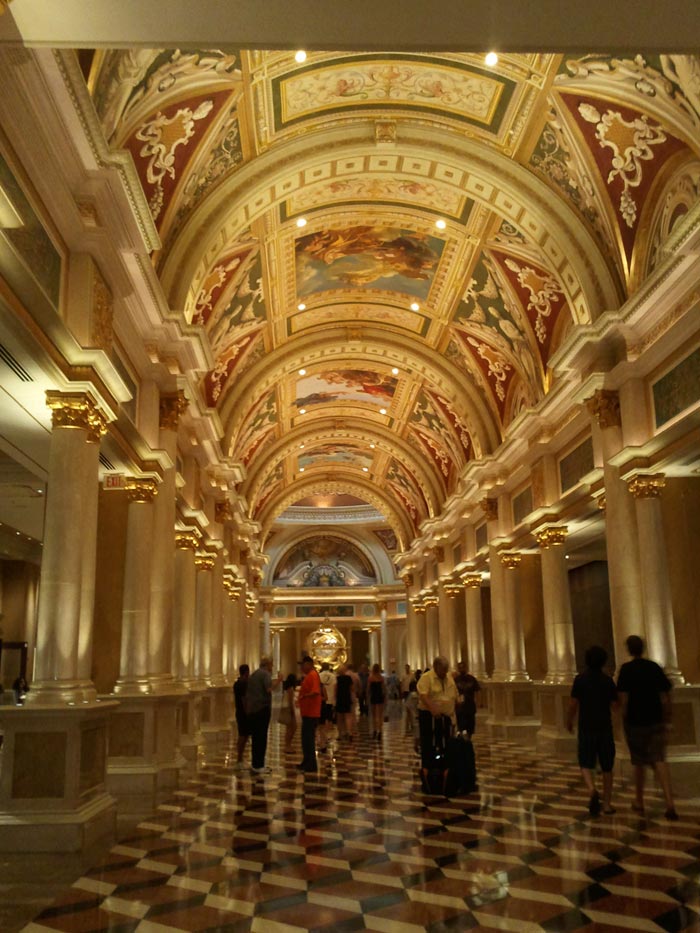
358	847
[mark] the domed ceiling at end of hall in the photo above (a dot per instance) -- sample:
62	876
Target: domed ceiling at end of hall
386	250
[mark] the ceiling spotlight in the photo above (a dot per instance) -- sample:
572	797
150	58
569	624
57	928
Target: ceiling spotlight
302	411
302	372
440	224
301	469
491	59
365	469
415	306
301	446
301	306
300	56
395	371
371	446
382	411
301	221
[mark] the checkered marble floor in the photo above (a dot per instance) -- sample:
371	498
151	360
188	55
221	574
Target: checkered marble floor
359	847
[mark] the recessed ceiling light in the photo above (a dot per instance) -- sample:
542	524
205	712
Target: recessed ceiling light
301	469
301	445
301	306
301	221
365	469
382	411
395	371
302	411
302	372
491	59
300	56
440	224
371	446
415	306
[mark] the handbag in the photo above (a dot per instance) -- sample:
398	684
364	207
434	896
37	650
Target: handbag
285	716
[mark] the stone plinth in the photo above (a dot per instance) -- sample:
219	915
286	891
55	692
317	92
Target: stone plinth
143	755
513	712
215	714
189	721
552	736
53	790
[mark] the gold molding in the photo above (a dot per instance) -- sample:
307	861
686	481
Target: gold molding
604	405
549	537
646	485
453	589
171	407
186	540
407	579
489	508
204	562
472	580
510	560
75	410
223	512
141	489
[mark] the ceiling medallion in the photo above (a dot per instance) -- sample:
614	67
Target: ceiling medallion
327	645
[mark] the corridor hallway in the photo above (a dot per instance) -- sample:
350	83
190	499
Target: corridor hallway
360	848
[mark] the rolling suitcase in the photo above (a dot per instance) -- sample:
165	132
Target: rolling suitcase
434	777
461	766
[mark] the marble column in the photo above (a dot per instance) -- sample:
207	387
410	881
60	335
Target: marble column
216	662
134	654
431	603
203	615
624	573
499	625
266	638
89	527
276	652
656	591
160	668
64	633
184	603
517	671
374	647
383	639
558	620
448	592
476	657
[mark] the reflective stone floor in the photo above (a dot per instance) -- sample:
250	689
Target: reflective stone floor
360	848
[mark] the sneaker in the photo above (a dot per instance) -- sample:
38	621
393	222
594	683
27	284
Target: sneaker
671	814
594	804
261	770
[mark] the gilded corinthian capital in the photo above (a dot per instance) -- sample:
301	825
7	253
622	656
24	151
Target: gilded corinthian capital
646	486
549	537
604	405
186	540
141	490
75	410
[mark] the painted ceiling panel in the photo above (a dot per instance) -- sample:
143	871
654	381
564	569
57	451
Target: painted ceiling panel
402	232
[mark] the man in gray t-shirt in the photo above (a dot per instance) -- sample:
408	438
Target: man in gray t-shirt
259	708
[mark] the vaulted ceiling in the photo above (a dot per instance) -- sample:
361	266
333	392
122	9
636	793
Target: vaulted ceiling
387	250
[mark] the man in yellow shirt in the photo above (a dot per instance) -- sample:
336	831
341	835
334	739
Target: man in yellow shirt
437	695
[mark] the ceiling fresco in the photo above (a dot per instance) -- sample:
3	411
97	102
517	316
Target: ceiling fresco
385	251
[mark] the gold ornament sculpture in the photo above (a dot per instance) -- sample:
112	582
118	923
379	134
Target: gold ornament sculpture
327	645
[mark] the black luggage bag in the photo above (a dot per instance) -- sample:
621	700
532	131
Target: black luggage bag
434	777
461	766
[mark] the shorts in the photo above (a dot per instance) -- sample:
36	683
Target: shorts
242	725
647	744
596	746
326	713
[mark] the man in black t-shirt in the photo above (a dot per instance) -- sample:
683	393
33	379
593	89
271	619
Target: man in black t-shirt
592	696
646	712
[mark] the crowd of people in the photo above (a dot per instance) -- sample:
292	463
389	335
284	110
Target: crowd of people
435	701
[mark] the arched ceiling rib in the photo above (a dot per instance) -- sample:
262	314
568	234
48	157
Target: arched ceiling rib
297	207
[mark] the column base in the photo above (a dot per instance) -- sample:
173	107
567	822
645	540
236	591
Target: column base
53	794
513	712
215	713
144	761
553	738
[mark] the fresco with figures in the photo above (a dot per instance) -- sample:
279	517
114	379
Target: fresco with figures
345	386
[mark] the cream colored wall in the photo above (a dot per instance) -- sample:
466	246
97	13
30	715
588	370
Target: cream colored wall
681	516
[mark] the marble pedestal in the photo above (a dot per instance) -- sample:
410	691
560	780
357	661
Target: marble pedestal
215	715
143	756
513	712
552	736
53	791
191	740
